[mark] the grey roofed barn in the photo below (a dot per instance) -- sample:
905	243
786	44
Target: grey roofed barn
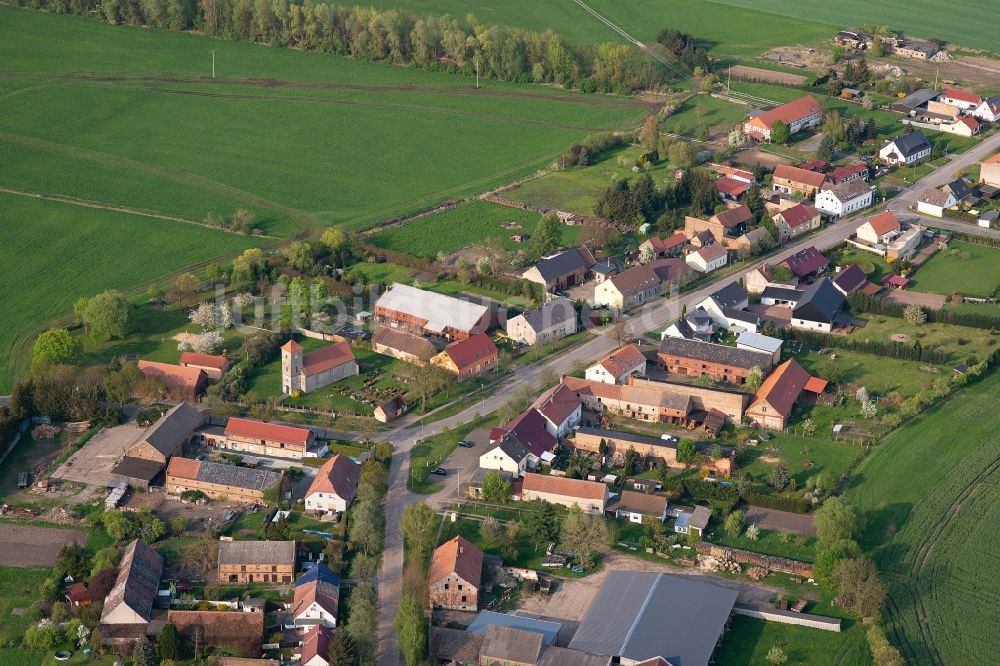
567	261
554	312
236	476
256	552
714	353
486	619
821	302
641	615
171	429
506	644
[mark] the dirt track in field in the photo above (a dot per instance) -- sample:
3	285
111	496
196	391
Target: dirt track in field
30	546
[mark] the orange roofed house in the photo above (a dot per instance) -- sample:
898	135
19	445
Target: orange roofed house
334	486
793	180
181	382
308	372
797	115
590	496
776	397
455	574
269	439
213	366
471	357
616	367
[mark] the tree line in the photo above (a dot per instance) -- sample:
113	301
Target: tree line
398	37
683	46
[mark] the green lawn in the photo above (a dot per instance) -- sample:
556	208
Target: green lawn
878	374
18	589
958	341
919	18
795	451
769	542
749	640
55	253
577	189
456	228
928	495
973	270
712	112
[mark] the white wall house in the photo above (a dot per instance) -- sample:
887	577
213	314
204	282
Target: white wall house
934	202
507	456
334	486
615	368
905	149
988	110
708	259
846	199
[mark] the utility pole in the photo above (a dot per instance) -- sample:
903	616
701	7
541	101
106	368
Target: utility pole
937	70
213	63
477	74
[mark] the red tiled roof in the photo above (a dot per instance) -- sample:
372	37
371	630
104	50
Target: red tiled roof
782	387
732	187
242	632
846	171
805	261
664	244
77	592
315	643
338	475
885	222
895	280
623	359
816	385
323	359
969	122
992	160
560	485
183	468
270	431
711	252
204	360
291	346
474	349
820	166
732	217
797	215
799	176
318	591
557	404
962	96
634	279
174	376
788	113
529	426
871	289
459	556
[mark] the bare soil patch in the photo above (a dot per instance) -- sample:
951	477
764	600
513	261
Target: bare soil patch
31	546
921	298
770	459
899	337
744	73
757	157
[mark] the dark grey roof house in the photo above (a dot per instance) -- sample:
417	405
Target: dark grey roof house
713	353
733	295
911	143
637	616
820	303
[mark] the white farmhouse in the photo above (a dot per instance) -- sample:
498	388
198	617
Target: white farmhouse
334	486
846	198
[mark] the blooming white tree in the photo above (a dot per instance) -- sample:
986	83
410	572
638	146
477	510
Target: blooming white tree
868	409
204	315
224	317
862	395
914	314
206	343
753	533
82	635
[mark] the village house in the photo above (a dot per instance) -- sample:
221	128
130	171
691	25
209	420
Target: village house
635	507
964	126
797	115
762	277
213	366
664	247
988	110
268	439
333	487
246	485
606	269
847	173
845	199
849	279
403	345
728	224
683	404
696	325
709	258
763	344
471	357
632	288
308	372
590	496
989	171
905	150
880	229
793	180
797	220
772	406
236	633
617	444
963	99
510	647
317	598
560	408
128	608
818	307
552	321
616	367
563	270
781	296
730	297
146	457
388	411
806	263
905	245
672	272
730	189
933	201
722	363
692	519
182	383
509	455
315	647
750	239
455	573
256	561
533	431
429	313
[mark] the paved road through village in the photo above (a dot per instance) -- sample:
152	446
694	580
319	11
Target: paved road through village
654	315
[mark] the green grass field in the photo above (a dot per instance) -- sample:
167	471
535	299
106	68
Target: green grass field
455	228
749	640
958	341
928	495
54	253
973	270
919	18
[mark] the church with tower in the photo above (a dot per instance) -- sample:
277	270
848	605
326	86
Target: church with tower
308	372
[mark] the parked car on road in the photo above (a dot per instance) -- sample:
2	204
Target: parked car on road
466	444
440	471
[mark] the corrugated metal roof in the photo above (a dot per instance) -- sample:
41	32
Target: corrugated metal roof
548	629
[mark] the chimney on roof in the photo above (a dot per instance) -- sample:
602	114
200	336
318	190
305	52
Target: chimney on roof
461	549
